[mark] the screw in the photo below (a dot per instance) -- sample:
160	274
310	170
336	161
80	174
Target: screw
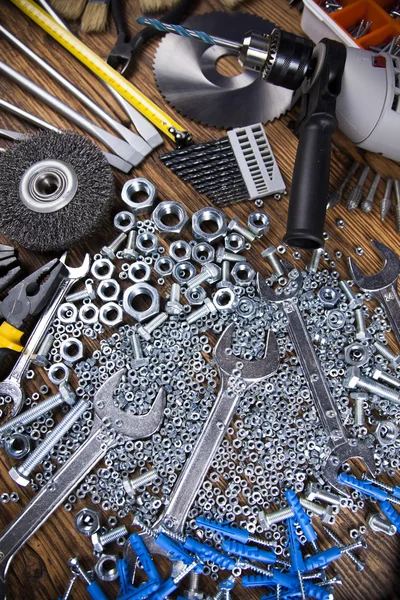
88	292
354	379
21	473
67	592
359	400
138	359
109	251
381	525
361	333
225	275
248	235
355	195
65	394
129	252
315	492
315	259
193	592
386	377
368	202
386	201
270	255
397	192
354	302
77	570
207	308
360	565
131	485
41	359
173	306
145	331
385	351
99	541
209	273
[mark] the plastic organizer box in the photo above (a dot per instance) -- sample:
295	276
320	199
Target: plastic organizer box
317	23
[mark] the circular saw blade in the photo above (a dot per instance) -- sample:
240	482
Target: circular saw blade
186	74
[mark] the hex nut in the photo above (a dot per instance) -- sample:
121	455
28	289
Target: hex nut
67	313
203	253
132	293
183	272
17	445
87	521
89	314
139	271
351	377
58	373
147	243
328	296
164	265
124	221
234	242
180	251
242	274
111	314
356	354
258	222
102	268
71	350
165	211
106	567
224	299
195	295
132	189
209	215
108	290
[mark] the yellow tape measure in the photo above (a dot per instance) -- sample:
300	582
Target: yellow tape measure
100	68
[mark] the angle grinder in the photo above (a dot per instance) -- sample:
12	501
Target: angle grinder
353	88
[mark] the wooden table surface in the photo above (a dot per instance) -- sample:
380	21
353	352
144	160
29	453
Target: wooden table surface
40	570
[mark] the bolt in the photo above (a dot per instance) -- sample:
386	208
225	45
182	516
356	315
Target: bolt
21	473
386	201
266	520
397	192
270	255
194	592
101	540
131	485
314	492
65	394
41	359
225	275
248	235
381	525
386	377
109	251
209	273
359	399
353	379
88	292
77	570
325	513
129	252
385	351
145	331
223	255
173	307
138	359
207	308
361	333
354	302
360	565
315	259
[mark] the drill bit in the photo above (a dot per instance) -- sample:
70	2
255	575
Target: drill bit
335	196
397	192
368	202
386	201
355	195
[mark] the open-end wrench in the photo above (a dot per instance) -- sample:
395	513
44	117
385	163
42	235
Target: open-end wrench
174	516
110	427
12	385
382	285
342	447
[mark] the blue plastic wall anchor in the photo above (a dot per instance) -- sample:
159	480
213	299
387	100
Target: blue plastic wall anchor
317	592
250	552
174	549
205	552
145	558
364	487
301	516
391	514
295	550
322	559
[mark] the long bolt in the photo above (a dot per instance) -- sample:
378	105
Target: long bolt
110	250
360	565
386	202
270	255
359	399
64	395
315	492
207	308
397	192
175	294
145	331
88	292
385	351
131	485
225	255
225	274
354	302
248	235
138	359
354	379
361	333
378	374
21	473
209	273
315	259
112	535
368	202
381	525
77	570
129	251
40	358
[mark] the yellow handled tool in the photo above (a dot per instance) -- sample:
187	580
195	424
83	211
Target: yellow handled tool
10	337
100	68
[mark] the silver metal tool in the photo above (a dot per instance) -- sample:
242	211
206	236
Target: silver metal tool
196	467
382	285
355	196
335	196
102	437
368	202
12	135
120	147
186	73
341	446
133	140
12	385
22	114
386	202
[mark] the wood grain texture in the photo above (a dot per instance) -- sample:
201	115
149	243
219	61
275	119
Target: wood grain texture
39	571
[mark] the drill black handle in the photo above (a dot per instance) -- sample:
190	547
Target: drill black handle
310	183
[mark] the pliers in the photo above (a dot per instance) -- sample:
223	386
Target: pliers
9	268
29	297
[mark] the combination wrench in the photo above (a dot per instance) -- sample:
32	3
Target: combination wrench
382	285
110	427
341	446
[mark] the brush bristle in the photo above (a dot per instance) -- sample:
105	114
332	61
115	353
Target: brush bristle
230	4
154	6
69	9
94	18
55	231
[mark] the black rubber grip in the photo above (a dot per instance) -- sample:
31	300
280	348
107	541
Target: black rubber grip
310	184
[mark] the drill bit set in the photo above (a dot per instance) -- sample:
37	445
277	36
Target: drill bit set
240	166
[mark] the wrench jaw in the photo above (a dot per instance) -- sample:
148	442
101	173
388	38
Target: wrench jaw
385	277
76	272
340	454
9	388
267	293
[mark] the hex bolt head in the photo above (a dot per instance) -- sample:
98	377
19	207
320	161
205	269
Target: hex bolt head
234	225
223	255
67	393
209	273
270	255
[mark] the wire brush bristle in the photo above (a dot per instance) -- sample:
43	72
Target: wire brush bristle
95	17
82	216
69	9
154	6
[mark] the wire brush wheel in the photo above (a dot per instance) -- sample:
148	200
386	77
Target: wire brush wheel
55	189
